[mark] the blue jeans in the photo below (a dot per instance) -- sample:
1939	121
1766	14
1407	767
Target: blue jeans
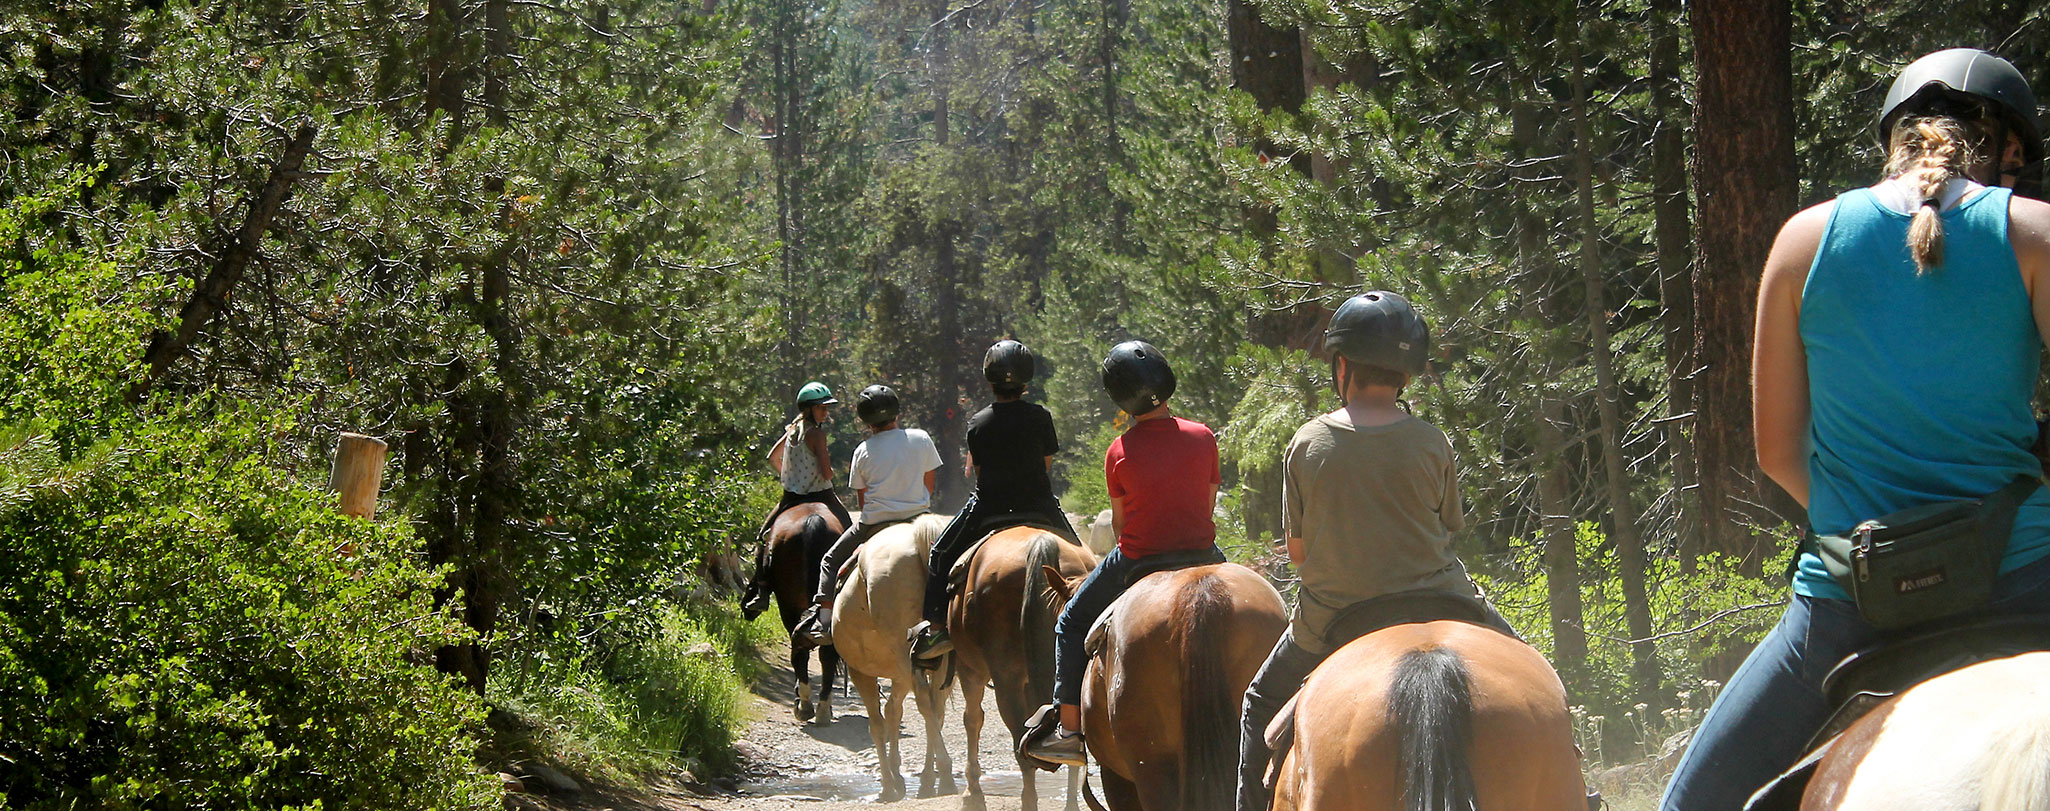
1762	721
1098	591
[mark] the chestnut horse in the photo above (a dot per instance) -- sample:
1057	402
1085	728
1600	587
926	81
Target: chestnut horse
876	605
1432	715
1160	704
1975	738
798	541
1002	623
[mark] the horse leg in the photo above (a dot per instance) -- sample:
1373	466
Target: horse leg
829	667
1121	794
938	777
972	686
1074	788
800	664
893	709
880	732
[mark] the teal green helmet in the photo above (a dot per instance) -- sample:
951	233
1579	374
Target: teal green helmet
814	393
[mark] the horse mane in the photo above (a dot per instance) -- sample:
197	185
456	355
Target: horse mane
2019	779
1210	711
1036	611
1431	700
926	529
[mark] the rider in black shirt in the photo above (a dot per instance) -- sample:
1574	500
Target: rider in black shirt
1011	445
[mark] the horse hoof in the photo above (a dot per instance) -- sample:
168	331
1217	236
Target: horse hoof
804	711
974	802
825	715
891	794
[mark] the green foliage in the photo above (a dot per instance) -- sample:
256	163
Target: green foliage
650	701
1282	391
1699	613
180	628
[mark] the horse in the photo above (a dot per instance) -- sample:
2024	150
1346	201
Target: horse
1432	715
1002	623
876	604
1974	738
798	541
1160	703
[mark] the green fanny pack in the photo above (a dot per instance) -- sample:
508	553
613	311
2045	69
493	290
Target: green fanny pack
1928	562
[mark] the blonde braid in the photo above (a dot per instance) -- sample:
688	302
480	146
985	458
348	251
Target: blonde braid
1928	151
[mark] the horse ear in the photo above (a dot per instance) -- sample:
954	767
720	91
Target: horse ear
1058	582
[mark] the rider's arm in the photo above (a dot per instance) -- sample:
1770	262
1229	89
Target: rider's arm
1779	364
861	499
2028	230
776	453
1117	516
1295	551
931	479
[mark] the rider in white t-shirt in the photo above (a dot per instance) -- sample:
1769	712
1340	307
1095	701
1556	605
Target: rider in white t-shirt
892	478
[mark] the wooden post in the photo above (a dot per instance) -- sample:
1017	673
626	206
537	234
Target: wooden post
358	472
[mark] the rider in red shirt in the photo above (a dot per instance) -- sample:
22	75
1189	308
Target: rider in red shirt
1162	476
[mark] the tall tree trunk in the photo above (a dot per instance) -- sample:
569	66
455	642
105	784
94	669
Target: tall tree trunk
956	389
1673	252
1267	64
1624	532
1745	184
1549	428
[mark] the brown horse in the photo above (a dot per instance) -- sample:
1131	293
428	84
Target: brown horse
1432	715
798	541
1976	738
1002	623
1161	700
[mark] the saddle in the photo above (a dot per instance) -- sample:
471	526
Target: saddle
958	575
1365	617
1868	678
1099	630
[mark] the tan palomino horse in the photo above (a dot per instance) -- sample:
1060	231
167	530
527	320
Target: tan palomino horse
1002	624
1160	704
798	541
1432	715
876	604
1976	738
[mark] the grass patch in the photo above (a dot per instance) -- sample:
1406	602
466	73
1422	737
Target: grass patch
670	700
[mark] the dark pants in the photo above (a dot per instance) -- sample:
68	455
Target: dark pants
1761	723
1102	588
836	557
790	499
1277	682
975	520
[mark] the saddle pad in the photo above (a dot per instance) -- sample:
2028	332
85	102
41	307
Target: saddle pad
848	567
1402	608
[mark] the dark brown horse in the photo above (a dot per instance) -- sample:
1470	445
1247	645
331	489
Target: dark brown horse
1432	715
798	541
1002	623
1161	701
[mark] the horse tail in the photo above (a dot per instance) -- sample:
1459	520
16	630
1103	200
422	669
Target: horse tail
2019	778
1431	700
814	539
1036	610
1201	620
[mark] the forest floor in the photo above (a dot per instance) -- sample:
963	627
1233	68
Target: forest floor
788	765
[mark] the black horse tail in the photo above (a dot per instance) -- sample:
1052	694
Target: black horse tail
1210	712
1036	611
1432	703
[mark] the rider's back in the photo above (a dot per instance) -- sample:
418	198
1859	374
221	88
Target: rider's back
1919	383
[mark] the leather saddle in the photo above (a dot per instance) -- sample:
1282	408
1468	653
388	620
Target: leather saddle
1092	643
1868	678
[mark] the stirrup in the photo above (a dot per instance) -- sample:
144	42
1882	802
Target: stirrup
812	627
1041	747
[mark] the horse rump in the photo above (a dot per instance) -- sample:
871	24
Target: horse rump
1431	699
1209	709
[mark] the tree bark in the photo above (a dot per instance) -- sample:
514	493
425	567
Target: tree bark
210	297
957	388
1624	533
1745	185
1673	255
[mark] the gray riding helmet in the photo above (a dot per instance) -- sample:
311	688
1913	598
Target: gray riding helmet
1961	76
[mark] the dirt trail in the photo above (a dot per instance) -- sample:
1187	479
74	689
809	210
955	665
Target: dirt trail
786	765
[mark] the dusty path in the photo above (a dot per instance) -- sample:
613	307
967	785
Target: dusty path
786	765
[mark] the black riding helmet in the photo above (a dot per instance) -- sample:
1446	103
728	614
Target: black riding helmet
1008	363
1959	81
1137	377
876	405
1379	328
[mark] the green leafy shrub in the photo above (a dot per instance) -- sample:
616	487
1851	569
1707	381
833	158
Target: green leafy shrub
179	629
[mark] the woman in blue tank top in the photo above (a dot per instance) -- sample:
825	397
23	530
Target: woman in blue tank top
1899	333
